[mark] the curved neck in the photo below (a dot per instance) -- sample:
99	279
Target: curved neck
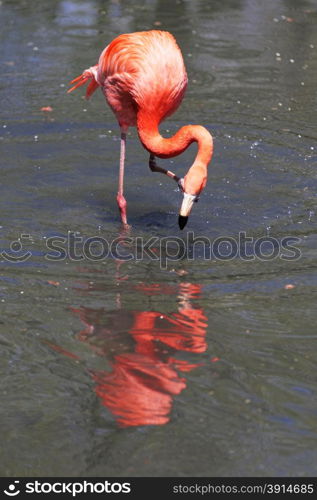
168	147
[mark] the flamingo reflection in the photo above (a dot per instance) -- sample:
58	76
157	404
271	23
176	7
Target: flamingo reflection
139	389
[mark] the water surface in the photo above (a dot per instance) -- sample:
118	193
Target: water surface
187	366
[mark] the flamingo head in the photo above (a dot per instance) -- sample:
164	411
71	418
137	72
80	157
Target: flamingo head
192	185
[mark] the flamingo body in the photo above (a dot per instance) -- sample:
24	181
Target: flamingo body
143	78
128	71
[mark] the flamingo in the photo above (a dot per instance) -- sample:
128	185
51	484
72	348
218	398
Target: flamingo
143	78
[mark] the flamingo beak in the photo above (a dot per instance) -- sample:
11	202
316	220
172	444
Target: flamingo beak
185	210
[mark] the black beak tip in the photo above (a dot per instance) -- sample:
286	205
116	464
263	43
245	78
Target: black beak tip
182	221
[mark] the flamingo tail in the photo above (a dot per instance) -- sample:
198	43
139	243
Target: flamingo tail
87	76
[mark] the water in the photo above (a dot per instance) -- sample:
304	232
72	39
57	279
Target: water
190	366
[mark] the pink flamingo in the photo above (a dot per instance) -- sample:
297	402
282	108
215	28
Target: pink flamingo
143	78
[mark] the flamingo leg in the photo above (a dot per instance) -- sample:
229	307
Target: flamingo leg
122	204
155	168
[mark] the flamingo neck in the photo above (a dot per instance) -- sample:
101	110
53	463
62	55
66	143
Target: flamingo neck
172	146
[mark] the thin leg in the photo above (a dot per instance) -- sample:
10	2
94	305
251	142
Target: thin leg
122	204
155	168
